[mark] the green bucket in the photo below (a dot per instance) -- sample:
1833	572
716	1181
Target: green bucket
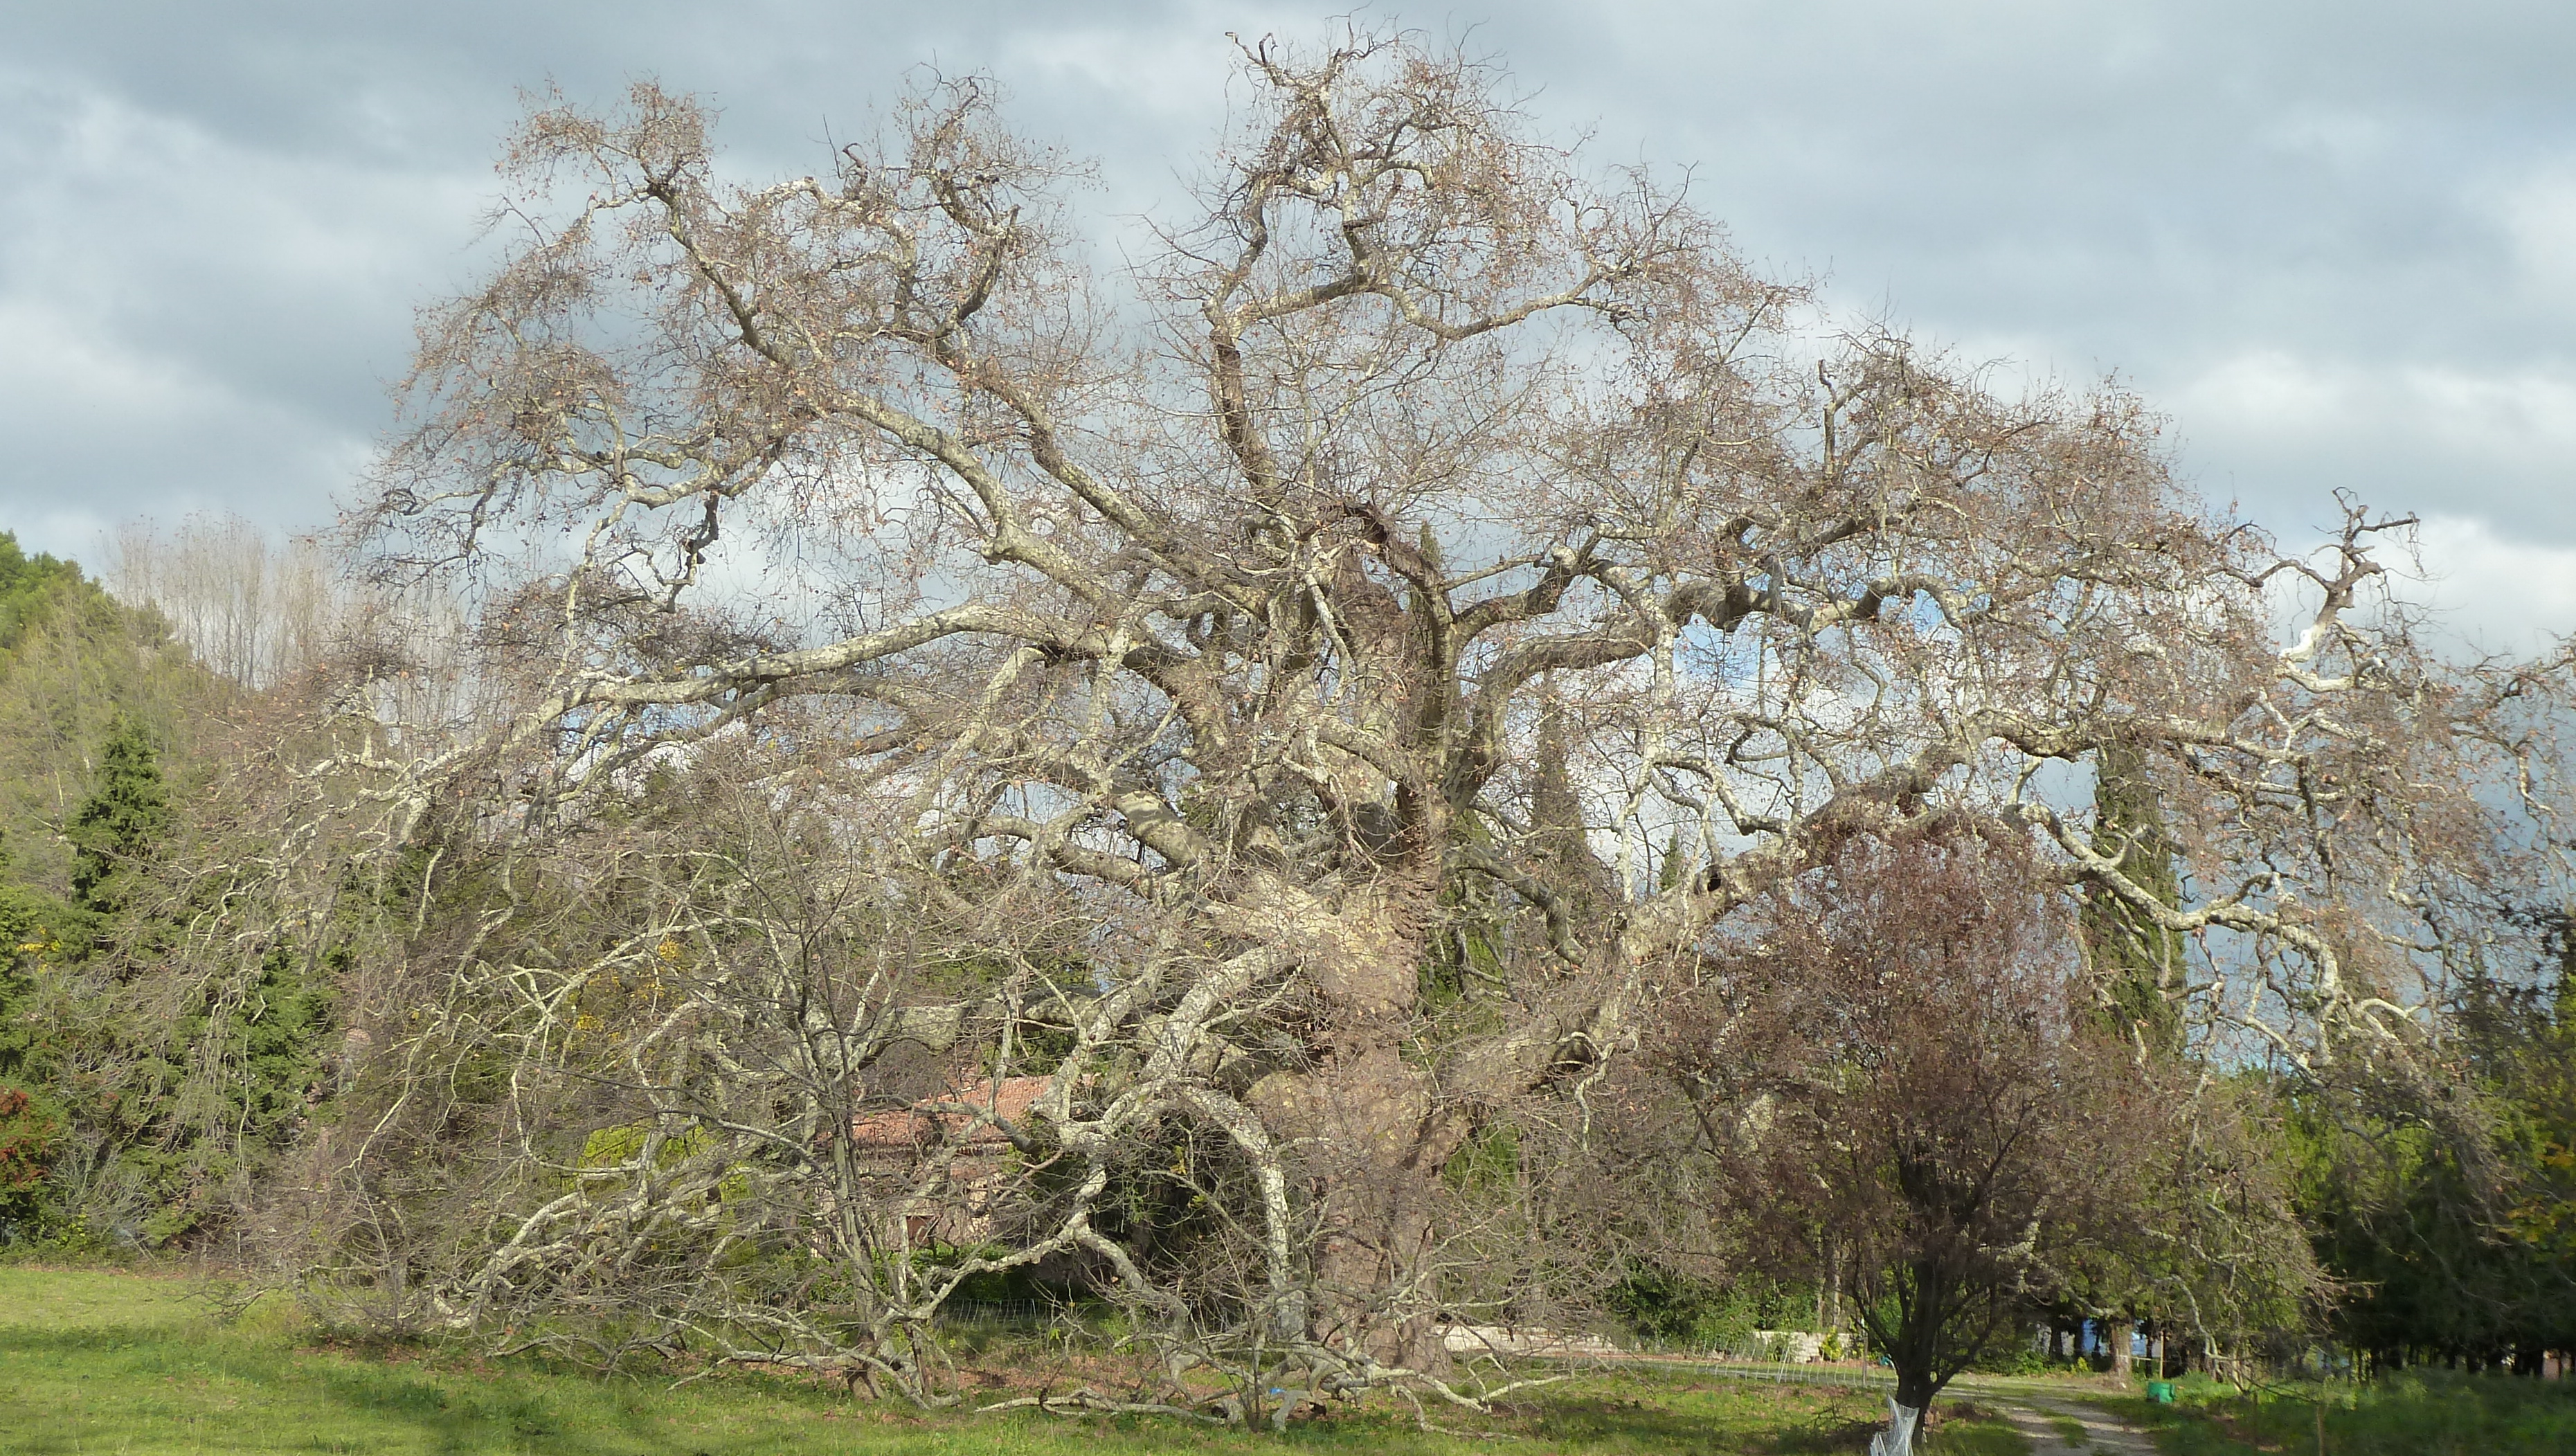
2160	1391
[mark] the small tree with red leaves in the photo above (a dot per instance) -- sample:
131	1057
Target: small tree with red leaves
29	1132
1889	1067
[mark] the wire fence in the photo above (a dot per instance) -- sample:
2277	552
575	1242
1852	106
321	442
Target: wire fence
1783	1372
1815	1372
998	1313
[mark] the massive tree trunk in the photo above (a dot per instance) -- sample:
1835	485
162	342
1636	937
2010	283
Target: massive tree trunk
1377	1260
1373	1128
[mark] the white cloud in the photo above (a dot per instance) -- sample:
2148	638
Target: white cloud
2522	417
2269	391
193	323
2341	137
2526	416
1164	73
2538	218
79	379
2496	591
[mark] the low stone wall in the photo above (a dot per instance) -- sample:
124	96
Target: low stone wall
1521	1340
1795	1347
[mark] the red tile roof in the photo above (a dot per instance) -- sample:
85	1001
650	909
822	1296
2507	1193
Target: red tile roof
1009	1100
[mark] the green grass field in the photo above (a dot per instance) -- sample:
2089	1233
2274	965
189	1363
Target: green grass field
102	1363
2409	1414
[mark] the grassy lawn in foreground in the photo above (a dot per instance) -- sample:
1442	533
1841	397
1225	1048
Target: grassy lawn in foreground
97	1361
2407	1414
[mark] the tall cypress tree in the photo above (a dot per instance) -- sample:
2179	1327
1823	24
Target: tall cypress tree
204	1058
2137	964
115	830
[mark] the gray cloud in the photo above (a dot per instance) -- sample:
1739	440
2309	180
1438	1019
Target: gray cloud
2336	243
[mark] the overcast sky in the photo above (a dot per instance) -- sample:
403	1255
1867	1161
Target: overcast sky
2335	243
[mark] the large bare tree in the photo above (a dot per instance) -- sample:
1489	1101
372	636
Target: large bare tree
1402	615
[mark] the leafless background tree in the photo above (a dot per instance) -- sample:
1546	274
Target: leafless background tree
250	610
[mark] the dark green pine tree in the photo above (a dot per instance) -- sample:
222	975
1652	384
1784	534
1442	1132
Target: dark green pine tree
2137	965
115	830
276	1039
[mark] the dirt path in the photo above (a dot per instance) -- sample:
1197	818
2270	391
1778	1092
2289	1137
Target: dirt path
2043	1418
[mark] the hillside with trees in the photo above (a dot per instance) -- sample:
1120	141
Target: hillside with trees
146	1095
